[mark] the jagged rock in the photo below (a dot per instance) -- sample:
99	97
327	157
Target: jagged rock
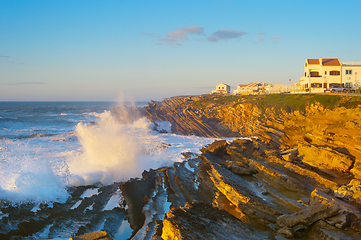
351	192
265	171
202	221
306	217
290	155
98	235
136	193
239	192
218	147
324	157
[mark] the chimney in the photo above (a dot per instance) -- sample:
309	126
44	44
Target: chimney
321	61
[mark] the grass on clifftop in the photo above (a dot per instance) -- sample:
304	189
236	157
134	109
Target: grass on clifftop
287	102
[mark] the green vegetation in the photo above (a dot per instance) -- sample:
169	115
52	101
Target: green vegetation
287	102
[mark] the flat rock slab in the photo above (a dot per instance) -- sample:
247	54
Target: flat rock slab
307	217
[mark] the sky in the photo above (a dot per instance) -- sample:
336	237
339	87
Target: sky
91	50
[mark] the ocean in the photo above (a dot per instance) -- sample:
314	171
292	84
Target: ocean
47	147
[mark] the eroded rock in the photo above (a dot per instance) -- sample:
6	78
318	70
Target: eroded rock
306	217
202	221
324	157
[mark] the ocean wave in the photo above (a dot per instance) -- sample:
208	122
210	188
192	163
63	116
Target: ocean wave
113	151
41	164
95	114
31	175
29	136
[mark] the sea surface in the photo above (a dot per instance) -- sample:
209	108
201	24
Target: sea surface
46	147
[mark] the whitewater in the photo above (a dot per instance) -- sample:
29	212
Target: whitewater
47	147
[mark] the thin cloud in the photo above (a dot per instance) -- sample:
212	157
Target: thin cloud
146	34
276	38
225	34
260	39
200	39
181	34
24	83
2	56
261	33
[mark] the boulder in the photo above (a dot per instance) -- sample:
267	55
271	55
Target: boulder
218	147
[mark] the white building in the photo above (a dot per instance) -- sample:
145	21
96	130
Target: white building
323	73
250	89
351	72
222	88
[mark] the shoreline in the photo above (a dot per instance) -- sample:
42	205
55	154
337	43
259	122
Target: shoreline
297	177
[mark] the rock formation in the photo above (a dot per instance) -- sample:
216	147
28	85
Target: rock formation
295	173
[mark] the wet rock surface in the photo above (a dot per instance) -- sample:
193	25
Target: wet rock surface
296	176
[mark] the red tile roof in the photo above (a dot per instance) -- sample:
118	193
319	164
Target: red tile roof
252	84
313	61
325	62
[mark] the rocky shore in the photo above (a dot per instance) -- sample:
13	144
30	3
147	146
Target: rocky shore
293	172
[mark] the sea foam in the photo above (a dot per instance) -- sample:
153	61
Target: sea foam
108	151
30	176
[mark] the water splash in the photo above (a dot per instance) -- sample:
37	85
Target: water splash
117	147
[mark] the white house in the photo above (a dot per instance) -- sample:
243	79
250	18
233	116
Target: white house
222	88
321	73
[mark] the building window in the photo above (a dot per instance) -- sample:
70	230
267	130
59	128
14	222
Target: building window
314	74
348	72
325	72
222	87
335	73
325	85
305	74
316	85
349	85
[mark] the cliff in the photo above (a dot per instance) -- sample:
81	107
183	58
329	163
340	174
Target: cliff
300	145
324	130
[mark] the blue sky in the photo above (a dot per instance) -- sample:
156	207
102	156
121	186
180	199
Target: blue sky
140	50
